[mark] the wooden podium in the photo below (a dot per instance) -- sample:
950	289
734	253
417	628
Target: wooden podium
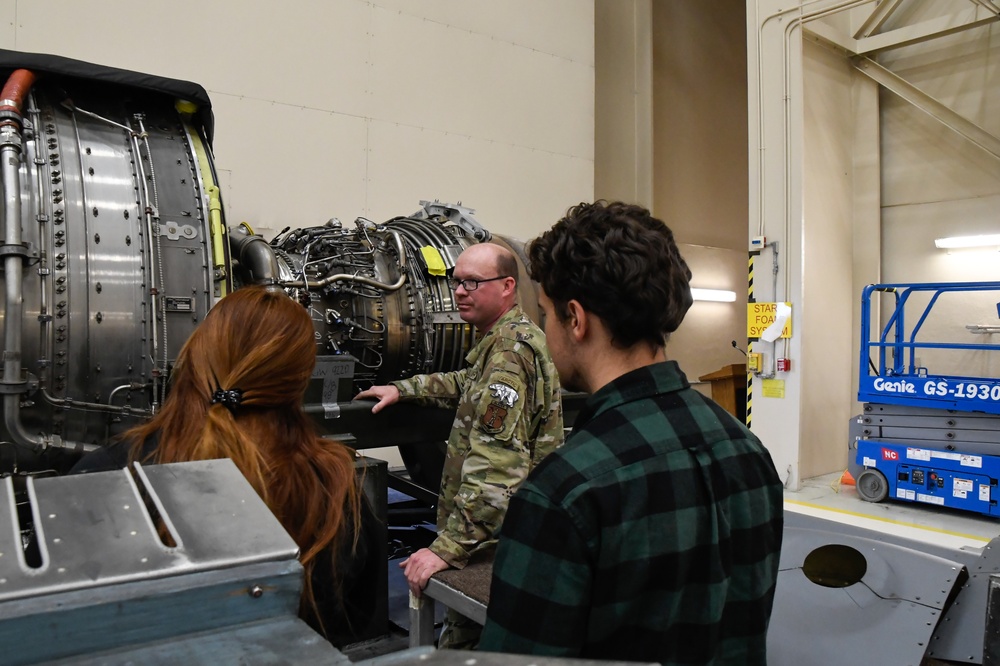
729	388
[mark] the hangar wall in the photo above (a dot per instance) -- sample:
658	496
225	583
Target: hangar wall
671	134
362	108
700	167
856	183
354	108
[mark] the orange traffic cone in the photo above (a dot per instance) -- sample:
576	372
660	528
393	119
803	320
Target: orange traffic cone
846	479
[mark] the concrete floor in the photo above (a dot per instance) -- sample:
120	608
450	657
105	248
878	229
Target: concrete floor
826	497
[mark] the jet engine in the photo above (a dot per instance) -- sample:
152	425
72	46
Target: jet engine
115	246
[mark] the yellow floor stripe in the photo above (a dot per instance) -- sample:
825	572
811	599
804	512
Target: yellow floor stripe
901	523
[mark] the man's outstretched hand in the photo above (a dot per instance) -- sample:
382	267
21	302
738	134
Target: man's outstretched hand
386	395
419	567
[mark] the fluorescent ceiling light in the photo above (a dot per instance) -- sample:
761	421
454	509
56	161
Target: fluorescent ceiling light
720	295
968	241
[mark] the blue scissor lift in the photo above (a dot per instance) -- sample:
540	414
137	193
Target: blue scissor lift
926	437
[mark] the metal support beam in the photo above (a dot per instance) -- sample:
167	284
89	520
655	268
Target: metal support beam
928	105
878	17
421	620
864	42
987	5
926	31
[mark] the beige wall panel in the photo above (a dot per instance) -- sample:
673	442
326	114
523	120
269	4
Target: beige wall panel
460	83
106	34
910	232
563	28
700	167
925	161
302	178
163	39
308	54
936	183
959	71
515	191
623	114
8	29
703	343
867	225
825	321
700	120
295	92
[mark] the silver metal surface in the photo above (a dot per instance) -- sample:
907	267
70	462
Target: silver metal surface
991	640
97	206
97	576
422	610
421	620
277	641
456	600
95	529
957	635
428	655
373	295
887	617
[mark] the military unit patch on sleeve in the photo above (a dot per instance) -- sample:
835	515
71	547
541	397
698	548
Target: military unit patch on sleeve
499	411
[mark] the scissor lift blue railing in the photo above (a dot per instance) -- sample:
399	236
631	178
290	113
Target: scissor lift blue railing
909	443
897	379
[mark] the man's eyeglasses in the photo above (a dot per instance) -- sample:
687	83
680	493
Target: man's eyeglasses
472	285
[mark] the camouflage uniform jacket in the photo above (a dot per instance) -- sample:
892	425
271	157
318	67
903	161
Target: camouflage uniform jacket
509	417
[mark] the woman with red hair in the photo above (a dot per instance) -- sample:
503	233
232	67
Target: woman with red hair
236	392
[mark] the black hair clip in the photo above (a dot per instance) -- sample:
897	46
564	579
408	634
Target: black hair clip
230	399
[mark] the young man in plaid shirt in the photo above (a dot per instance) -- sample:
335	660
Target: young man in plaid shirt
654	533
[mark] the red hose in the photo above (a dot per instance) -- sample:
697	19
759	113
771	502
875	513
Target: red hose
15	90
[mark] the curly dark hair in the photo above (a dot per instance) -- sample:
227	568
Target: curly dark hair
621	264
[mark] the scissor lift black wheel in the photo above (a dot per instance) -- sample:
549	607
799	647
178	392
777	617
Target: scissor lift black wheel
872	486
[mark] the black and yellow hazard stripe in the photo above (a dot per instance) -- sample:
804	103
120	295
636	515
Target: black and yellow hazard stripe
750	299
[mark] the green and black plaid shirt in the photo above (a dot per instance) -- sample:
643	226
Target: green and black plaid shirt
653	534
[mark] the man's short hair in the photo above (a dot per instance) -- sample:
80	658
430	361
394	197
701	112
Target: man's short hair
507	265
621	264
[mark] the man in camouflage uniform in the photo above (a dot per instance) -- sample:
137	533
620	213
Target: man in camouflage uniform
509	417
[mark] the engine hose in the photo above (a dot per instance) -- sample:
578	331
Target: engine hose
12	98
345	277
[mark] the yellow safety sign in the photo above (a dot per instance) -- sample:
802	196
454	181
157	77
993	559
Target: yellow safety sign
762	315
